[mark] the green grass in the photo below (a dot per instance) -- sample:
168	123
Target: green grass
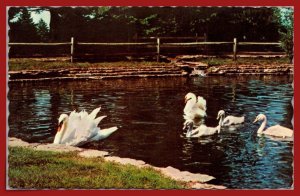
243	61
41	169
32	64
17	64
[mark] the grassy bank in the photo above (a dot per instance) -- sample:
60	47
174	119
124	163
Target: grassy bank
32	64
41	169
18	64
243	61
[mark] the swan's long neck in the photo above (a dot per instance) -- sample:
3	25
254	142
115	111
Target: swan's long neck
218	128
189	104
221	120
59	135
262	126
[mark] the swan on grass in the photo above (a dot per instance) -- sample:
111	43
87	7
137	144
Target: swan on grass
276	131
229	120
195	109
201	130
80	128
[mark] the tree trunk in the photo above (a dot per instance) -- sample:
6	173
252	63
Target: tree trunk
54	24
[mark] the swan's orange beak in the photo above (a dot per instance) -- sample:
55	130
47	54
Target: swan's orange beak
255	120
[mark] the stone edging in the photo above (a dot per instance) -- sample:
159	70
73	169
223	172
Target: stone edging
175	69
194	180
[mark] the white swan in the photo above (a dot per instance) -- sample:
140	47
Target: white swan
202	130
229	120
195	108
276	131
80	128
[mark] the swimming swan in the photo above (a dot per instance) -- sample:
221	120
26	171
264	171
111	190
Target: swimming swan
202	130
276	131
229	120
80	128
195	108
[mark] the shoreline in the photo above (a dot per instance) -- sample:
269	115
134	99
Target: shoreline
170	70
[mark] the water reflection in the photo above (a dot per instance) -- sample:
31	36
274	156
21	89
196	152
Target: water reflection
149	112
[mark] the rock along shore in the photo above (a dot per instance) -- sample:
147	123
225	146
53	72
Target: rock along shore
194	180
174	69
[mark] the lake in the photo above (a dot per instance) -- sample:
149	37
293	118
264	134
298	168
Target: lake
149	112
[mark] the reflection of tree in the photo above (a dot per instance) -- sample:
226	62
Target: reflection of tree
19	96
261	142
289	111
275	158
55	100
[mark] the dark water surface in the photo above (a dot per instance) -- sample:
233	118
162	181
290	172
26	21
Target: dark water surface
149	112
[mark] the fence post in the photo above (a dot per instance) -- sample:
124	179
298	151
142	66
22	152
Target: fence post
234	48
158	49
205	46
72	49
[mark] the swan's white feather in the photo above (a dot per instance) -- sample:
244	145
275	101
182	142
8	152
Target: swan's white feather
279	131
94	113
99	119
103	133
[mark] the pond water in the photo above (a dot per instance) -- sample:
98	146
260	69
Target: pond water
149	111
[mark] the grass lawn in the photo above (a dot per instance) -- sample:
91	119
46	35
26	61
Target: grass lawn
243	61
17	64
52	170
31	64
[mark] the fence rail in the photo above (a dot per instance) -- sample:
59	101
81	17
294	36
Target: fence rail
116	44
158	44
260	43
173	38
40	44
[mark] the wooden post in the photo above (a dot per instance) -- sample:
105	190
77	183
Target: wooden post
158	49
234	48
72	49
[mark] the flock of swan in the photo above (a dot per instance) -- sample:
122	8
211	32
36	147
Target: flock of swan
79	128
195	112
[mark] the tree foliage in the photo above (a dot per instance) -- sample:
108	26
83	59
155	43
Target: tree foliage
21	24
285	16
113	24
42	31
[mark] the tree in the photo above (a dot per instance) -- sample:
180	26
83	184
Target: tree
42	30
285	16
22	27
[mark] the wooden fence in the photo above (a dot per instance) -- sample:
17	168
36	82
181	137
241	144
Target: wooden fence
155	44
